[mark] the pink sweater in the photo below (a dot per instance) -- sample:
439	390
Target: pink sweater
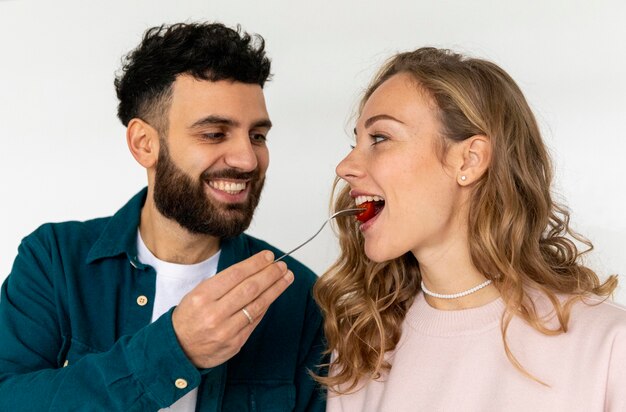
455	361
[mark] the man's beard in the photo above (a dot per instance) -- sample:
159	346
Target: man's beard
178	197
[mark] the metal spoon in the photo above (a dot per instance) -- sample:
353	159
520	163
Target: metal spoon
345	212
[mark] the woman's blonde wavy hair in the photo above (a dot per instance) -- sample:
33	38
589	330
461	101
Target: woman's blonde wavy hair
518	236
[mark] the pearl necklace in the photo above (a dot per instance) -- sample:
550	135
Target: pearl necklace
455	295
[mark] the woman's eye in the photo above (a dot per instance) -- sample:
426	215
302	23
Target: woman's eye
377	138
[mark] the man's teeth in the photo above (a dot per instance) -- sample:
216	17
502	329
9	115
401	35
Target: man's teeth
228	187
359	200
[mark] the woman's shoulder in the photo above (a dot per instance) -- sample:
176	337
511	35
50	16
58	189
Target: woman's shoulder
591	313
601	311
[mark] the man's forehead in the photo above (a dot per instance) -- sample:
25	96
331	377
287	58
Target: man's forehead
196	98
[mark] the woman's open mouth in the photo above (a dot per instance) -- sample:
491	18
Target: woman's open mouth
371	205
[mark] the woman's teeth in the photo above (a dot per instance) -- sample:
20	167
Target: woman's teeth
228	187
359	200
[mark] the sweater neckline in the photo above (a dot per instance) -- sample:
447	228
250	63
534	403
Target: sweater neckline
427	320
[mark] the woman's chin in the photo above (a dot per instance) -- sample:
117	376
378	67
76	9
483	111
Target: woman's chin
379	254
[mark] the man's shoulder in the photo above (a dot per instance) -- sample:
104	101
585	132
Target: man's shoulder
73	234
92	239
72	230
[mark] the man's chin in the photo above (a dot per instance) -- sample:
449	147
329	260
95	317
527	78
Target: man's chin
221	227
228	209
236	217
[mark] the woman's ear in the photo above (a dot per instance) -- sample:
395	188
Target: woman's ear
143	142
476	159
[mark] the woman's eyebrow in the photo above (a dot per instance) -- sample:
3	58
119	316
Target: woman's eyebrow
374	119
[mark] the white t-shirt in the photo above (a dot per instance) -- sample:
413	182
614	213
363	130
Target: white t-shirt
173	281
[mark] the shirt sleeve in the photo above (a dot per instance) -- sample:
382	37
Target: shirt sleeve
142	372
616	380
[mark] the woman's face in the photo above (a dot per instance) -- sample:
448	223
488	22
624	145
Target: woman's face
397	157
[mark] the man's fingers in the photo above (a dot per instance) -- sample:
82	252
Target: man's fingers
257	307
253	286
239	327
227	279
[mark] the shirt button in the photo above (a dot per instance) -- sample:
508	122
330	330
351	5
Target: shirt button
180	383
142	300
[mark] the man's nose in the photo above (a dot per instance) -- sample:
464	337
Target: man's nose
241	155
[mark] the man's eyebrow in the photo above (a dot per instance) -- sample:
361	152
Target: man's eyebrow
214	120
264	123
225	121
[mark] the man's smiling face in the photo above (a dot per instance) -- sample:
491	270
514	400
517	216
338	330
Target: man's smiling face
212	162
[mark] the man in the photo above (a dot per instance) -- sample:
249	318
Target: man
123	313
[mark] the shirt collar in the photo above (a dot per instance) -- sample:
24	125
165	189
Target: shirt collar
120	237
120	234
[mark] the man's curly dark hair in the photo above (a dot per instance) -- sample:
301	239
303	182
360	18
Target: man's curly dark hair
207	51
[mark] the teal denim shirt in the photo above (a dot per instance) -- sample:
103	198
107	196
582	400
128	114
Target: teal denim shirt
75	331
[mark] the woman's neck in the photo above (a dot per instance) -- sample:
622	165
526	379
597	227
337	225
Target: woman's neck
448	269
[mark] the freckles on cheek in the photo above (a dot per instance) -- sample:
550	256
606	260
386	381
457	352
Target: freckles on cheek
418	191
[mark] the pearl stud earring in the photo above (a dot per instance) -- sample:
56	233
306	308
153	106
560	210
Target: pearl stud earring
464	178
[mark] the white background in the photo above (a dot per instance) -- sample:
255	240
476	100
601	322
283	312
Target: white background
63	154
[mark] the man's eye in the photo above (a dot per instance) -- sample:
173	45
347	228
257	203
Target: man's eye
213	136
258	137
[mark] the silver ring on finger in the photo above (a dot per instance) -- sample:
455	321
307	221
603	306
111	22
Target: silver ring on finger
248	316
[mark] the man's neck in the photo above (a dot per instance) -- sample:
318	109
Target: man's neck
170	242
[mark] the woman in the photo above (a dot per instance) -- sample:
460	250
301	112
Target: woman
471	295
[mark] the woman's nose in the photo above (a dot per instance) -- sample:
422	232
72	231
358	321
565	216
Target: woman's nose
351	167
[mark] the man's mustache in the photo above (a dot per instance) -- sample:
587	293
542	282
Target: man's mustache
231	174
